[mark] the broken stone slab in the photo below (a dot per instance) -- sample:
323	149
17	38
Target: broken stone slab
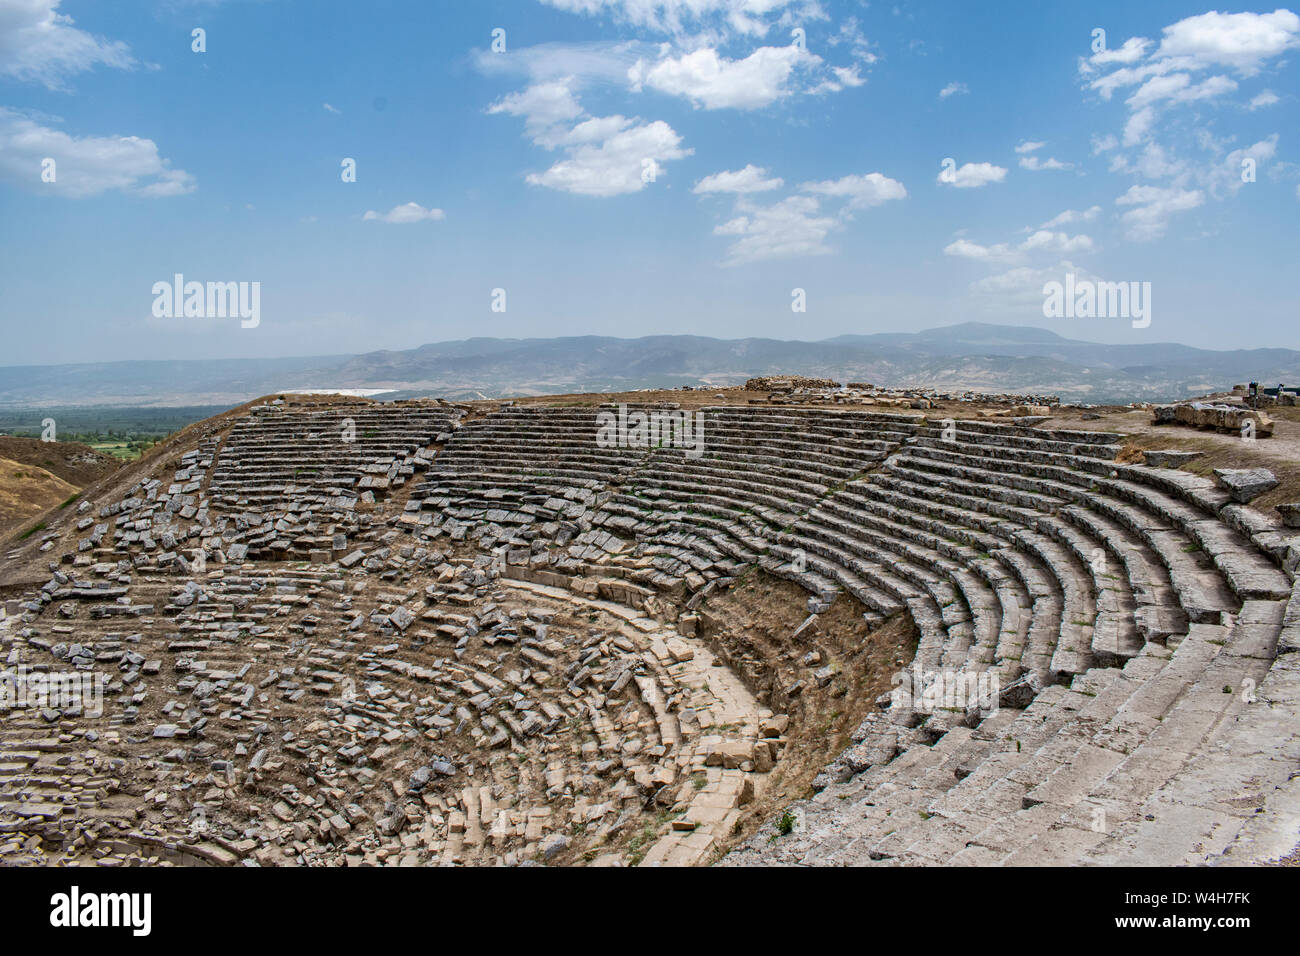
1020	693
1290	513
1169	457
1245	484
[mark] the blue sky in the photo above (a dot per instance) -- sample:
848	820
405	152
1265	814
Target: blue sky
633	167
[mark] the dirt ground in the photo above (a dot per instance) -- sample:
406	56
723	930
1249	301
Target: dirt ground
1280	454
36	476
70	461
751	627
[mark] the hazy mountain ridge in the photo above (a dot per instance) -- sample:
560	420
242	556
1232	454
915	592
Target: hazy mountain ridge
977	356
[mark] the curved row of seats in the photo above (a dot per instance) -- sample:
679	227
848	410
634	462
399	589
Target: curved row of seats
1128	597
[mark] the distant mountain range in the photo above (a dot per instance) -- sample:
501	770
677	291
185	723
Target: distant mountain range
989	358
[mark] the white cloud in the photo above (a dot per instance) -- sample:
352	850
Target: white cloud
37	43
751	179
972	175
1133	50
1226	177
542	106
1104	144
862	192
965	249
576	63
1045	239
1072	215
1034	164
616	164
85	165
1022	288
1178	88
953	89
1138	125
715	82
745	17
841	77
850	34
604	155
1262	99
1029	146
331	109
1242	41
1152	208
790	228
406	213
794	226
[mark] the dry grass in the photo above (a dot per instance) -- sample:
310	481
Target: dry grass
27	491
1280	454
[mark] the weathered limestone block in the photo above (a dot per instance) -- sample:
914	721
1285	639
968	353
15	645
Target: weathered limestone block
1245	484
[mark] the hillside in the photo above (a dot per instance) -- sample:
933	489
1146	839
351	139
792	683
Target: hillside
36	476
27	491
972	355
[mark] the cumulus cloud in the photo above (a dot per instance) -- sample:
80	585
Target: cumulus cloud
793	227
712	81
1226	177
604	155
1240	41
1135	130
542	105
678	17
797	225
1133	50
406	213
1035	164
972	175
1046	239
1262	99
1072	215
624	161
751	179
1189	67
85	165
1179	88
861	192
966	249
39	44
1104	144
1153	207
1042	240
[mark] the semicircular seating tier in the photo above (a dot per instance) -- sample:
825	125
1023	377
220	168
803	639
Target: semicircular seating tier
1131	614
1137	627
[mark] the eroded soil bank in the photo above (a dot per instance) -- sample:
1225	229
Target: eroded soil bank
825	673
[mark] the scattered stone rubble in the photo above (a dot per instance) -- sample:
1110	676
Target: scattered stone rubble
1219	416
407	634
808	391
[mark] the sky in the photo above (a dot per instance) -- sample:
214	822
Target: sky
397	173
